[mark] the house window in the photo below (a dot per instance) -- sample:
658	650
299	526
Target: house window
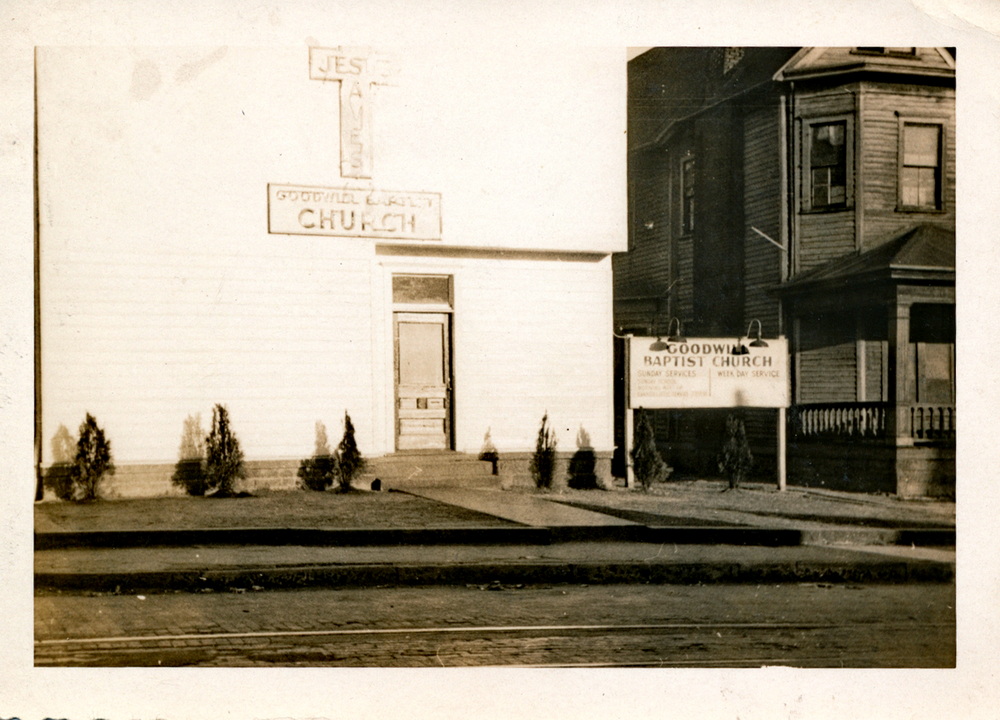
731	58
885	50
828	165
920	170
687	195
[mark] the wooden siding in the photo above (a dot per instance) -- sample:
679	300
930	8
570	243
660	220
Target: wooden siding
762	200
718	268
827	360
875	354
163	292
822	235
286	341
647	264
828	374
143	339
533	337
883	108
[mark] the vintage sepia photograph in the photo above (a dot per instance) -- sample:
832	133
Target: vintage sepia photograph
436	357
505	360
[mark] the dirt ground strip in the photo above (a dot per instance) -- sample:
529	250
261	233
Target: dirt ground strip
293	508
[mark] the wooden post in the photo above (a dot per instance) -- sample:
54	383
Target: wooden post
629	417
781	448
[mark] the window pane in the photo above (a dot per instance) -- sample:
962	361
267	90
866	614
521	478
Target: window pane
828	164
421	354
827	144
421	289
910	184
919	187
687	190
820	187
927	186
920	145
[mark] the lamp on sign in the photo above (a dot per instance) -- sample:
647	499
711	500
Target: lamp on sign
677	337
740	349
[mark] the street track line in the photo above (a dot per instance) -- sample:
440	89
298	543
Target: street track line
473	629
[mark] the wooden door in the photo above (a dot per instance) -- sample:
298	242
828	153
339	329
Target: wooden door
423	381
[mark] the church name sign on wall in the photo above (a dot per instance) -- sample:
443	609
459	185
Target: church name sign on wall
704	373
353	212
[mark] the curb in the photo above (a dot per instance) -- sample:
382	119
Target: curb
344	537
385	575
516	535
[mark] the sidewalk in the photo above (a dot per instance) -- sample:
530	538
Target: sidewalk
685	534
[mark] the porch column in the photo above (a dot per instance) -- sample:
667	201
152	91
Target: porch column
900	385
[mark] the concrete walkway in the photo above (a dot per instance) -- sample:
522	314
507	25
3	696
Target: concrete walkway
525	509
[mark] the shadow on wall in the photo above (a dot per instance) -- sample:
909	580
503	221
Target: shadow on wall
189	472
581	474
57	477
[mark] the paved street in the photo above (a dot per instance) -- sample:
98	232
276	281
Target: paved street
806	625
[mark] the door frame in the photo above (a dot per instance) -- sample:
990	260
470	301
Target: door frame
445	318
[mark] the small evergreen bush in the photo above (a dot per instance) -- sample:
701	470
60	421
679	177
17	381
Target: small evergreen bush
189	472
736	460
543	461
582	464
350	463
92	462
319	471
223	456
647	464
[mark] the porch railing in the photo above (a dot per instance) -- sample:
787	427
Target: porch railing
932	422
868	421
849	421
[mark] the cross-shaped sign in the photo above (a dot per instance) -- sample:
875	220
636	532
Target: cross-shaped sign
357	70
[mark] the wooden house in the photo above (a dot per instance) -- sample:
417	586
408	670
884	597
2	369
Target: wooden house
812	189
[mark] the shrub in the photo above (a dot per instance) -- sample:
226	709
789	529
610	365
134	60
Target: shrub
736	459
647	464
543	461
489	452
319	471
582	464
223	457
350	463
92	462
189	472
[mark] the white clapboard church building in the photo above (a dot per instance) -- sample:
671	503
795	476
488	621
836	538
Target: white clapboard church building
420	237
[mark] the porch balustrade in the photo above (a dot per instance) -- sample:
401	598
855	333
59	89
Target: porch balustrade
867	421
932	422
839	420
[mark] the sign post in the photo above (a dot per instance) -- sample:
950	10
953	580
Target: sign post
629	420
708	373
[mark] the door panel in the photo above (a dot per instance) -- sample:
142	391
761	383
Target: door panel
423	385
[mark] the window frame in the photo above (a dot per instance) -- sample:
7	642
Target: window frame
808	123
885	51
688	212
939	194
